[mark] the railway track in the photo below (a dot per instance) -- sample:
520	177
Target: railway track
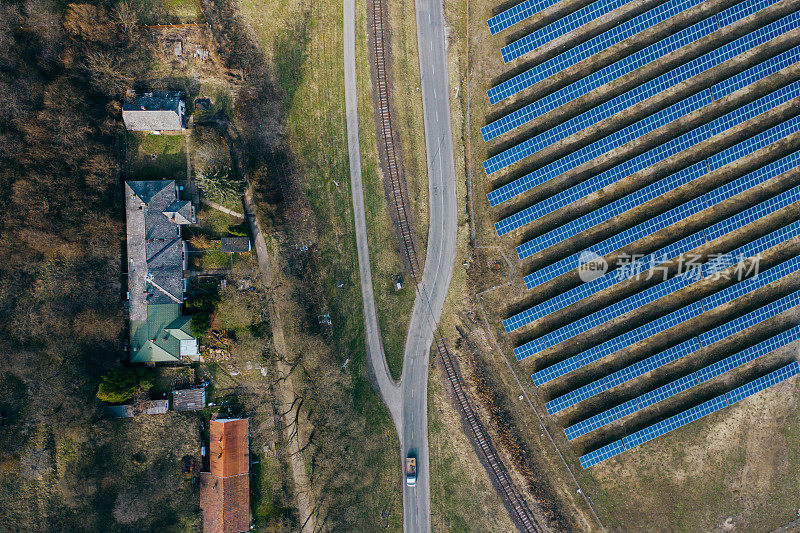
394	170
512	498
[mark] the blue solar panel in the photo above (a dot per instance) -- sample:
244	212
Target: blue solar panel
516	14
597	44
607	212
671	354
759	279
715	264
756	142
631	303
608	177
601	454
740	11
601	419
621	102
764	382
674	422
690	415
716	334
760	175
619	342
597	148
558	28
753	213
630	235
548	103
750	354
644	126
704	374
616	378
665	391
620	240
750	319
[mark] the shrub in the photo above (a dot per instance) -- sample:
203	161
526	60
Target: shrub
117	386
200	324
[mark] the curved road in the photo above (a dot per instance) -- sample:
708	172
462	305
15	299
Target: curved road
407	400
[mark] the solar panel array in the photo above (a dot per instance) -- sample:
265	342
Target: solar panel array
517	14
689	415
611	278
611	312
673	353
612	140
679	385
640	93
654	190
638	163
631	235
672	319
558	28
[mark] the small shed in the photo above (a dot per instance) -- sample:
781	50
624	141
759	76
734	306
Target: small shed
189	399
235	244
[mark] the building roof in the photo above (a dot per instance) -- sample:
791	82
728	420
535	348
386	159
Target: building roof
225	503
163	337
224	491
156	252
189	399
150	407
154	111
234	244
229	447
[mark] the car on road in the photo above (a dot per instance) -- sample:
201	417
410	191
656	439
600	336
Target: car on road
411	471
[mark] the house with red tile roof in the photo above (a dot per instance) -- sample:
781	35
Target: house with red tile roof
225	488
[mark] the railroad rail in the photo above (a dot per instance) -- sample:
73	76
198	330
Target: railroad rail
510	495
512	498
399	195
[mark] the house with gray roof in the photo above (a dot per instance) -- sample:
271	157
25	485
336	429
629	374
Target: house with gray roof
154	111
157	259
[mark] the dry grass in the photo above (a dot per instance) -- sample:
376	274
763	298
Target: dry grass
462	497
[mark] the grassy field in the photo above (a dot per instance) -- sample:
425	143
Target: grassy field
156	156
185	10
462	498
291	34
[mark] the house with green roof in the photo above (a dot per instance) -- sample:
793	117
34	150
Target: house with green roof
157	259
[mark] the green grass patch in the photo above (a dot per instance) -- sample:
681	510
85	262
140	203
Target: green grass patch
156	156
185	10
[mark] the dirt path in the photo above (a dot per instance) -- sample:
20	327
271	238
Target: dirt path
284	388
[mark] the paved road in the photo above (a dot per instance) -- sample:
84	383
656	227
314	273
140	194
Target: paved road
440	256
407	401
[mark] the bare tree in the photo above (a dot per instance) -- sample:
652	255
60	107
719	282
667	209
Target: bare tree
126	19
107	73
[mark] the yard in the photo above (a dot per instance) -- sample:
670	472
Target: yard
155	156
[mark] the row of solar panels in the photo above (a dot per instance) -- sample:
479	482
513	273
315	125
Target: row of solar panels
616	35
668	183
632	234
659	222
587	84
640	368
626	100
635	370
689	415
677	386
661	324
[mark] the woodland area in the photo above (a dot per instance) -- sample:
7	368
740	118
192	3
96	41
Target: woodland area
64	466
